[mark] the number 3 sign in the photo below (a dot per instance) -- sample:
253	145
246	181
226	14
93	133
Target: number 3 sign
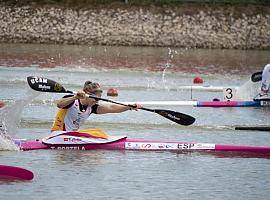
229	94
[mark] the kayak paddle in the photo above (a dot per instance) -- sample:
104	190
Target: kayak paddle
256	77
46	85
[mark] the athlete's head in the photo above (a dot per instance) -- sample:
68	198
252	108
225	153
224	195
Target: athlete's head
92	88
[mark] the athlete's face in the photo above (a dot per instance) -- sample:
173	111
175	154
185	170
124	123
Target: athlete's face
92	89
97	93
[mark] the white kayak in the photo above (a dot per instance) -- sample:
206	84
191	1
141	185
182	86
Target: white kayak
265	103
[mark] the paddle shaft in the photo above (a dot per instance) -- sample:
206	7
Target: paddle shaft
114	102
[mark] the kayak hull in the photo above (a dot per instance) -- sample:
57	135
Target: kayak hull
144	145
206	103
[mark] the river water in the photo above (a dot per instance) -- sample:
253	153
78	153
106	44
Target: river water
140	74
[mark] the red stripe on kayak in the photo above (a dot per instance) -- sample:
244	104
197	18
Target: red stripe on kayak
228	104
79	134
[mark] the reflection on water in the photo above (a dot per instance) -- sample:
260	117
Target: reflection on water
142	58
11	181
80	158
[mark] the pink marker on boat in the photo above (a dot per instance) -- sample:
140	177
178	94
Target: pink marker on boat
12	172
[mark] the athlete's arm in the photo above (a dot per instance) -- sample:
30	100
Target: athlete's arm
68	100
112	108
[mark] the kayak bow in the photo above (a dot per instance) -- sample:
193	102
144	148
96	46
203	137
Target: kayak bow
12	172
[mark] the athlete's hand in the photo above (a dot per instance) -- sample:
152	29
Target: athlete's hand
80	94
135	106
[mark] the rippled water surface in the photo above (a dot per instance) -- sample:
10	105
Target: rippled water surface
139	75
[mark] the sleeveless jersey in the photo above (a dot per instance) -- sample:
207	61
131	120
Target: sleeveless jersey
70	119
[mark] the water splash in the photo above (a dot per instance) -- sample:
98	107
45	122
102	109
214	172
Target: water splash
248	91
6	142
10	117
168	64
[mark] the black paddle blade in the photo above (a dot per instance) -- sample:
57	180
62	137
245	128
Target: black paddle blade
176	117
256	77
45	85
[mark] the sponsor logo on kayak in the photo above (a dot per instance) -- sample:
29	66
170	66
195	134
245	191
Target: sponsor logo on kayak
165	146
76	140
150	146
200	146
146	146
185	146
72	140
169	146
45	87
131	145
161	146
69	148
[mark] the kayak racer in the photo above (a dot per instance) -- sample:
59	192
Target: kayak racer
265	86
75	109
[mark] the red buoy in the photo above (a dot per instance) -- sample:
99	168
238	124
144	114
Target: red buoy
112	92
2	104
197	80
